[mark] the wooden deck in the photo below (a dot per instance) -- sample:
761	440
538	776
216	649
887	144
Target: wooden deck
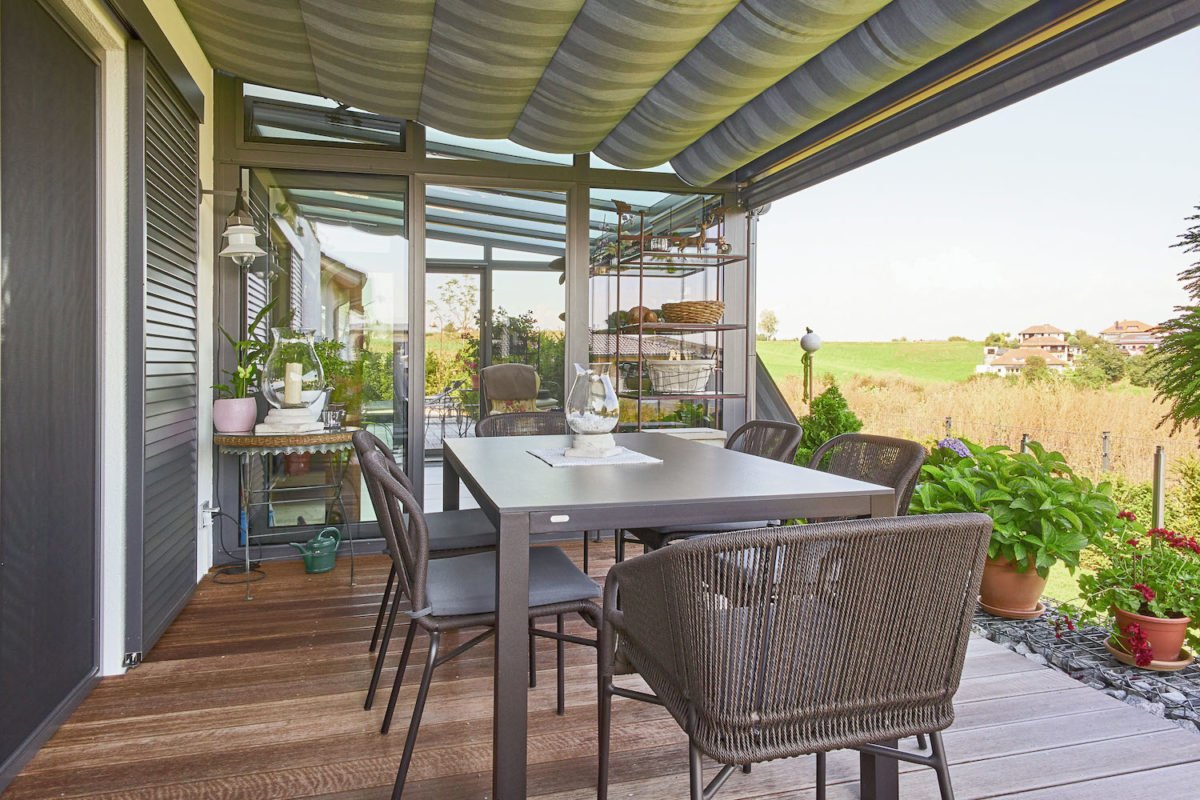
264	700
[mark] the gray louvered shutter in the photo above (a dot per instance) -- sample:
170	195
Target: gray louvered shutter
170	177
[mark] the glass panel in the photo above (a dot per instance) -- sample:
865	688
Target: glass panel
439	144
596	162
338	256
507	290
280	115
625	289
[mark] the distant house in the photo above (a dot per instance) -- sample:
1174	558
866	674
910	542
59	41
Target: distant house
1131	335
1043	341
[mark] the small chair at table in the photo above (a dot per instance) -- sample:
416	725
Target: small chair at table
507	389
451	594
882	460
825	647
764	438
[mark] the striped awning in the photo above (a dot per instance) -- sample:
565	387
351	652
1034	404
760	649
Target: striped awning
708	85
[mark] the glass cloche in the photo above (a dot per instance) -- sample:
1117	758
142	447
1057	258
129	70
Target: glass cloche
592	412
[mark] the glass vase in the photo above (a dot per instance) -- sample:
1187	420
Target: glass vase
292	376
592	412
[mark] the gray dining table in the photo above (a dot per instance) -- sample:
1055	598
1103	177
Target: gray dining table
695	483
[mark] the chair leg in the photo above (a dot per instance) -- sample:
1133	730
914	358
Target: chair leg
695	771
604	722
532	656
820	776
922	743
941	767
562	671
410	740
586	539
383	606
383	649
400	668
746	769
619	546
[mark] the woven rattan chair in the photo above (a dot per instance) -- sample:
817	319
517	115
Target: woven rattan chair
774	440
843	651
881	460
451	533
523	423
451	594
506	388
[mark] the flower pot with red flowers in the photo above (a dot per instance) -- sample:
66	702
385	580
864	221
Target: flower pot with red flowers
1147	586
1042	514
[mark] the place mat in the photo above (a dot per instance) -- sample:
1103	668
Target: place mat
555	457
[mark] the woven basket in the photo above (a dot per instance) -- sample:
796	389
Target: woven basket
681	377
695	312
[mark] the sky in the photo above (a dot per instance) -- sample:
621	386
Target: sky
1060	208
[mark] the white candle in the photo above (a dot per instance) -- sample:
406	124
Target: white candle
291	384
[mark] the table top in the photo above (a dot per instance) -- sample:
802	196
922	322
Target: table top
502	473
323	442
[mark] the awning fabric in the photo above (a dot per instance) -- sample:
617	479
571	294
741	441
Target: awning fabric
706	84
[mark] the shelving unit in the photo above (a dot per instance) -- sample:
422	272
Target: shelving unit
637	251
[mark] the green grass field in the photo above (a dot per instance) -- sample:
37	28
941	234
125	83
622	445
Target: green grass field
922	362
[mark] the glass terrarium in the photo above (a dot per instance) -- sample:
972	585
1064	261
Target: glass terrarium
293	378
592	413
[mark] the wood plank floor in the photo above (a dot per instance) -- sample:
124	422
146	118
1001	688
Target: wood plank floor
264	700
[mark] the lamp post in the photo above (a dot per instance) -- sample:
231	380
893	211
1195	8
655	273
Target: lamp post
810	343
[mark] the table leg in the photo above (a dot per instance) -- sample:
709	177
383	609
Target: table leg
879	776
511	702
244	495
449	486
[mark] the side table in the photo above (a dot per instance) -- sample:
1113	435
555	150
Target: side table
248	445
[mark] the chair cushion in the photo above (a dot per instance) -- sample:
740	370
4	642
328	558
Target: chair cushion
459	530
467	584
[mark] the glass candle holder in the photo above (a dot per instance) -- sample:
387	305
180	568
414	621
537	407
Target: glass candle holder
292	376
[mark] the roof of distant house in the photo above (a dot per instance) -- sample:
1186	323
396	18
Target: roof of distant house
1018	357
1036	341
1043	329
1128	326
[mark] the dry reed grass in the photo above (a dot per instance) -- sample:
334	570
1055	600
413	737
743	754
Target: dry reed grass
1060	415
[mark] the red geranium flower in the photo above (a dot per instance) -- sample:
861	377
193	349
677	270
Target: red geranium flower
1147	592
1128	516
1139	645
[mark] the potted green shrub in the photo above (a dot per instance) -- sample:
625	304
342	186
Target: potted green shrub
1146	586
1042	513
235	409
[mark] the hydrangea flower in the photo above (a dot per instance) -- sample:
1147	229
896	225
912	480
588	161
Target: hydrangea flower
955	445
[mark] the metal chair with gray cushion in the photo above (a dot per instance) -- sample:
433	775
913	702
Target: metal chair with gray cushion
765	438
451	533
882	460
838	652
451	594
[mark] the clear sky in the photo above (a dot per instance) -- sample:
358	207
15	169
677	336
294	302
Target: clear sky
1060	209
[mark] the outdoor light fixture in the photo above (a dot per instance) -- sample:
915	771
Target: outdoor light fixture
810	343
241	237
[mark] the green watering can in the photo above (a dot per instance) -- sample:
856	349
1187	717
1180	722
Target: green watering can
320	552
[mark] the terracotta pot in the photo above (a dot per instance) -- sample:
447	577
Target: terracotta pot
1005	592
235	414
1164	635
297	463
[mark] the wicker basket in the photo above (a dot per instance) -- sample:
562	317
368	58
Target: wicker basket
696	312
681	377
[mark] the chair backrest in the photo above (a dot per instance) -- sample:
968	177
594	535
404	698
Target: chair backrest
402	523
774	440
523	423
791	640
366	442
504	388
882	460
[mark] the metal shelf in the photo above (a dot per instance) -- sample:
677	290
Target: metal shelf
645	396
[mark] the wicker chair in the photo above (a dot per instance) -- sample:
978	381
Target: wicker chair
774	440
451	594
508	384
523	423
840	653
881	460
451	533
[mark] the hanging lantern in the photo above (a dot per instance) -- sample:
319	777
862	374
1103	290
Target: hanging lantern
240	235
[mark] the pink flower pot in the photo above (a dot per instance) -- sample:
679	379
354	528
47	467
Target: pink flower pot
234	415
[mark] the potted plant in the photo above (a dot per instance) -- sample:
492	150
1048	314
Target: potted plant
1042	514
235	409
1147	587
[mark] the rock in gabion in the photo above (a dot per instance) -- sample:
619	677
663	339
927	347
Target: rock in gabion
1081	654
